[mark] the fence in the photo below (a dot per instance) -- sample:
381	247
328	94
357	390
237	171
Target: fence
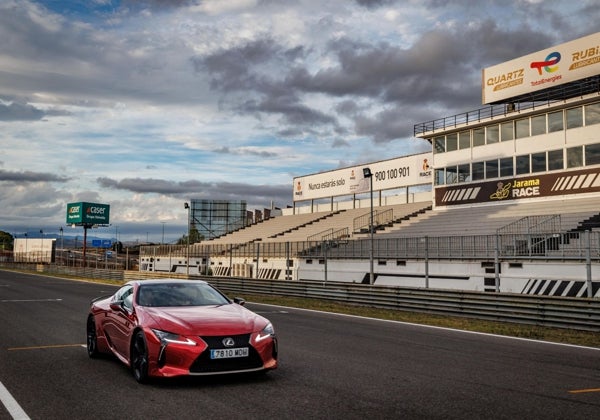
550	245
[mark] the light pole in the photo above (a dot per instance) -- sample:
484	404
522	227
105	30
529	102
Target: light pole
42	251
367	174
163	233
62	247
187	258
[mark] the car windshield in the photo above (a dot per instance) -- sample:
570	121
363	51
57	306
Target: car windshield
179	294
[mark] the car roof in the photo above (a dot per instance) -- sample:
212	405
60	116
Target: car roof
166	281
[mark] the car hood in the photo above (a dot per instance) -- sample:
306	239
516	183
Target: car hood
227	319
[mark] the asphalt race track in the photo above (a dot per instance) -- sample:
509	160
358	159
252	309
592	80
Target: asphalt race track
332	367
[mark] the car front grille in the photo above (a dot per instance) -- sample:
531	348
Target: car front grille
204	364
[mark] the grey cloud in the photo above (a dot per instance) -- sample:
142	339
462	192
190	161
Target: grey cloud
373	4
20	112
29	176
150	185
253	194
238	152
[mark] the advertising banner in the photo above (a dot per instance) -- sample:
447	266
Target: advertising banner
88	213
542	185
554	66
387	174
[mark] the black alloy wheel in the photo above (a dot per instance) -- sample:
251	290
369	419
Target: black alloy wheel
139	357
92	338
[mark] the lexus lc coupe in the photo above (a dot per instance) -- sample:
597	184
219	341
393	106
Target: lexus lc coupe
170	327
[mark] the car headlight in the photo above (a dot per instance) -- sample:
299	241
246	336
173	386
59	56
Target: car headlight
167	337
266	332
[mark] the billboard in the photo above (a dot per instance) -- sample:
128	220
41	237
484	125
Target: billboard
551	67
83	213
387	174
527	186
38	250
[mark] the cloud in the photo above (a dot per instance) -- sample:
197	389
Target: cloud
29	176
197	189
19	112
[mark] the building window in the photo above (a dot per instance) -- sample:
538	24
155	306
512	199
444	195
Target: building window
478	171
538	125
506	167
538	162
555	160
522	165
439	177
592	114
439	144
451	142
464	140
492	134
592	154
491	168
507	131
451	177
522	128
555	121
574	157
478	137
464	173
574	117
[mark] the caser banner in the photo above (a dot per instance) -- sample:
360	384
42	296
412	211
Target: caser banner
83	213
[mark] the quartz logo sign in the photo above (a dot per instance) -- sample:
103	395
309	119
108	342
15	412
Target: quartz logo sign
88	214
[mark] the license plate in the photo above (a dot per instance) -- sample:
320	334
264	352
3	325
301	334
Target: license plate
229	353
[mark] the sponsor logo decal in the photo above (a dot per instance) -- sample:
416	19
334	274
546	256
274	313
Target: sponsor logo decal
585	58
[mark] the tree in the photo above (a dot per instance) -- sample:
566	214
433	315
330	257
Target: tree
195	236
6	241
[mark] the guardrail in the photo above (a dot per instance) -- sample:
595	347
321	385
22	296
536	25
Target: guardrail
576	313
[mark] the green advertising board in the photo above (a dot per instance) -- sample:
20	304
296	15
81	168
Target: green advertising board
88	214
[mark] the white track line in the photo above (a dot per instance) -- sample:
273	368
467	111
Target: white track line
13	407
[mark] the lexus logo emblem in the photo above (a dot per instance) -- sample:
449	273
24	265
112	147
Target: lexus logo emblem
228	342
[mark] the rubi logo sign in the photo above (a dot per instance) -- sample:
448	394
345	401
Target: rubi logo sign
549	64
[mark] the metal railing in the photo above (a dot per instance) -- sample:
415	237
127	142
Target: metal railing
380	218
576	313
533	224
551	245
547	311
525	102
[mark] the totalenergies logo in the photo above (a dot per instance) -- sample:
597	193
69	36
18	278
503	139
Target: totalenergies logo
549	64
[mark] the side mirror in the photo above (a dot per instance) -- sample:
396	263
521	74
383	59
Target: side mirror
117	305
240	301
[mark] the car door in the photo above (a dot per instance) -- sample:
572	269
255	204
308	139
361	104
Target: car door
119	321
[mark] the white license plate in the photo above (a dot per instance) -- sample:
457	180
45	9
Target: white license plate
229	353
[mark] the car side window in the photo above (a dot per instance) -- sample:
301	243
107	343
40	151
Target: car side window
128	301
123	292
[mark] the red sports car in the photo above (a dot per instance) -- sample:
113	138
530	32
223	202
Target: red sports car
164	328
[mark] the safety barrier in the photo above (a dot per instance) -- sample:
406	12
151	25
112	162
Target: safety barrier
547	311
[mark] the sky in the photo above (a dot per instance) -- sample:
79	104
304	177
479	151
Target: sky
147	104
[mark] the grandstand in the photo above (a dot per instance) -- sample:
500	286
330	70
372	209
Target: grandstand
513	200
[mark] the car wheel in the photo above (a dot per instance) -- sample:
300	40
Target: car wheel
139	357
92	338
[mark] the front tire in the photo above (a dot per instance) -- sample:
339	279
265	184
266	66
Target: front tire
139	357
92	338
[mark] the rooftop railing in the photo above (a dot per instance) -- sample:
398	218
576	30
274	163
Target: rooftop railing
524	102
